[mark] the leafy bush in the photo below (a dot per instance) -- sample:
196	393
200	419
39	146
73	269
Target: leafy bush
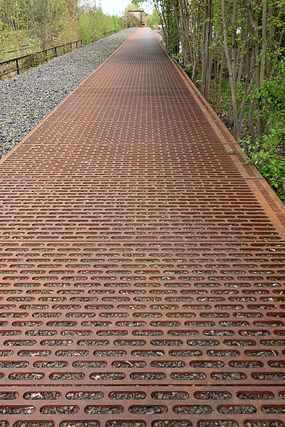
270	165
85	28
268	153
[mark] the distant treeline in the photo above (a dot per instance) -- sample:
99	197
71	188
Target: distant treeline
38	24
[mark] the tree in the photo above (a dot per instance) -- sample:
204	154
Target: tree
206	54
232	50
153	19
231	62
45	17
44	23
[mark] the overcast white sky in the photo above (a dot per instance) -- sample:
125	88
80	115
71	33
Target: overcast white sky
117	7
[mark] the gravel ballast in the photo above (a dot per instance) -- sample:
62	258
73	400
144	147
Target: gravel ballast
26	99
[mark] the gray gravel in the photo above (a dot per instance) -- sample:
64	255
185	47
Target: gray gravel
26	99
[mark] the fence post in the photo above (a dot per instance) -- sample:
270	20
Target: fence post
43	56
17	65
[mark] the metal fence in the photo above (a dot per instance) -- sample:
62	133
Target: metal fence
15	65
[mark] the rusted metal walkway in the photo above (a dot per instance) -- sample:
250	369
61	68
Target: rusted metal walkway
141	264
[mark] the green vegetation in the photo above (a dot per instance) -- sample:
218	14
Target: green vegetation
153	19
30	25
233	51
93	23
268	151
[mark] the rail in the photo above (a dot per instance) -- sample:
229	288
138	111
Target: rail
23	47
33	59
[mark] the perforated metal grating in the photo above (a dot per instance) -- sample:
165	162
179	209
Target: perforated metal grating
141	265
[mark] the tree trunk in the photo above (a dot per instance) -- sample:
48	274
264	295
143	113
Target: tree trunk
195	24
220	82
205	50
234	30
231	76
264	40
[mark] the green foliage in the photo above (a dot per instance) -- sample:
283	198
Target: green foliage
93	24
237	61
85	28
153	19
167	10
27	26
263	155
116	23
272	94
268	153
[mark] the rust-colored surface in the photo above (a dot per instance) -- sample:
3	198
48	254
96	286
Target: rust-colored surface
141	265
